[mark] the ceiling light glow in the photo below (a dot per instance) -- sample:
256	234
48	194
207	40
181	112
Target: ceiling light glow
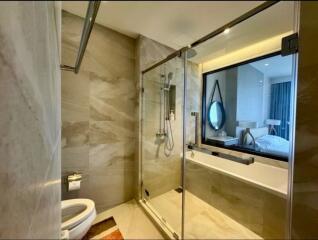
226	31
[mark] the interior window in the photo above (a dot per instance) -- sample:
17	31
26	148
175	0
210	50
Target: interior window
247	106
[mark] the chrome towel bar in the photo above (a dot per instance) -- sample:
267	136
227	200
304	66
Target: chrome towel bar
91	14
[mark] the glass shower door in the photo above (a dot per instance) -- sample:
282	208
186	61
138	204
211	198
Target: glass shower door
235	186
162	143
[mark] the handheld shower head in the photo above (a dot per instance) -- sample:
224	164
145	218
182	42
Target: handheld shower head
170	77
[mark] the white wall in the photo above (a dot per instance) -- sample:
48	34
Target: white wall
266	97
275	80
249	90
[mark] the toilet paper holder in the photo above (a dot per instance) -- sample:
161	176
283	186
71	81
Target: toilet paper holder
74	177
74	182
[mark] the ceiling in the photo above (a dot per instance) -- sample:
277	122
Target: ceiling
274	21
277	66
173	23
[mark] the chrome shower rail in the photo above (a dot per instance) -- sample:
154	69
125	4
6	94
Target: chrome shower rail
90	17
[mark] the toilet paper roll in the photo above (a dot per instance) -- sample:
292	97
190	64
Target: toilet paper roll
74	185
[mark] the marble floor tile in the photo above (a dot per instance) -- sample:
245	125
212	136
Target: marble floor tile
202	221
132	221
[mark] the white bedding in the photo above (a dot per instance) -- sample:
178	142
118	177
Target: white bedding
273	144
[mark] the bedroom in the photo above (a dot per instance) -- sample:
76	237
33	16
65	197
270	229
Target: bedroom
256	98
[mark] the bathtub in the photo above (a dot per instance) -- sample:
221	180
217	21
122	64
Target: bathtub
267	177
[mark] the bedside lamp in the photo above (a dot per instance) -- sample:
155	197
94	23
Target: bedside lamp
247	132
271	125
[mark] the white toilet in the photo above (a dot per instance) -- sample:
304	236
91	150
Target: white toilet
77	217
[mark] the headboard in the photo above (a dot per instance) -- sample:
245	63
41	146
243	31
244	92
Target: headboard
256	132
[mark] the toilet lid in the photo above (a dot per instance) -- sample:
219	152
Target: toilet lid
75	211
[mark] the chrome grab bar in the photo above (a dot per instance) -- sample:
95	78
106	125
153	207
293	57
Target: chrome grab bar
90	17
246	161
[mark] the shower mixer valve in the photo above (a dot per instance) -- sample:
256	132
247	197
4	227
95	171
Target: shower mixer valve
161	134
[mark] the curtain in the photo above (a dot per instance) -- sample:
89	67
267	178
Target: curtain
280	107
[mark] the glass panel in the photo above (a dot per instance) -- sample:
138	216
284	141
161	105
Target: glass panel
162	141
258	97
240	193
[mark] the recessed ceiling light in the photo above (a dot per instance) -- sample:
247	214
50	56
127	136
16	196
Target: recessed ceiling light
266	64
226	31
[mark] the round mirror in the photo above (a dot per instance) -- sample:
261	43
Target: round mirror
216	115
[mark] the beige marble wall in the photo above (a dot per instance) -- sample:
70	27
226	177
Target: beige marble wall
98	114
258	210
193	101
30	121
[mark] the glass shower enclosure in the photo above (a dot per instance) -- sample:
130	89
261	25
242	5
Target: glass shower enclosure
162	142
196	181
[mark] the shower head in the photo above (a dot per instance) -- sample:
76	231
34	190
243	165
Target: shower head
191	53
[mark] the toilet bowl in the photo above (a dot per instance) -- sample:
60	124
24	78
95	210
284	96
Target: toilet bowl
77	217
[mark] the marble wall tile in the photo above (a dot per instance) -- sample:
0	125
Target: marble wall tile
75	159
75	95
99	105
111	168
113	156
258	210
110	188
75	134
151	52
194	89
101	132
305	191
30	122
112	98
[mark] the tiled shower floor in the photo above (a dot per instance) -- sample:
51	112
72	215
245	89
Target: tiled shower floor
202	221
131	221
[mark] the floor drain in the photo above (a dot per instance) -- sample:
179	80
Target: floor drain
179	190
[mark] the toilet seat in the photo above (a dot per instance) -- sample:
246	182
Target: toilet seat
89	206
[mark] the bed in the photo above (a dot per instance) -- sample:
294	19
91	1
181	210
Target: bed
264	142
